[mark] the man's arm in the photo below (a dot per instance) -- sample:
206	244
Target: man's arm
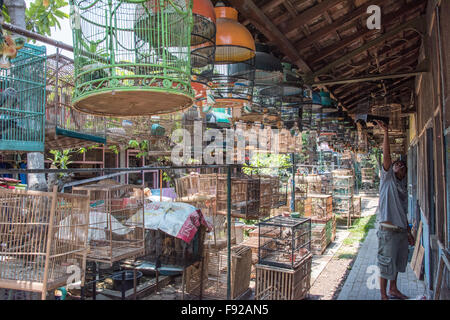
387	161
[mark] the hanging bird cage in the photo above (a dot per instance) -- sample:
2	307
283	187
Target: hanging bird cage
132	58
65	127
203	49
233	79
203	39
22	101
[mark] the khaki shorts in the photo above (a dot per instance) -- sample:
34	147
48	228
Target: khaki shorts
392	253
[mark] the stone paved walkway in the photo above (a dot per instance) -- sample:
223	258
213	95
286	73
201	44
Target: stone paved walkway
362	282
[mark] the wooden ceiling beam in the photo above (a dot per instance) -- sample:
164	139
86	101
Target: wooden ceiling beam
386	20
265	25
308	15
408	83
385	53
375	77
416	23
338	23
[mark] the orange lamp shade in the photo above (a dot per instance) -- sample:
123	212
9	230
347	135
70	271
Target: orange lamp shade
205	9
234	43
204	28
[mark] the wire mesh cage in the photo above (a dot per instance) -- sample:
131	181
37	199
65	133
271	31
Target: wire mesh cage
284	241
22	122
132	57
61	120
43	239
203	41
116	221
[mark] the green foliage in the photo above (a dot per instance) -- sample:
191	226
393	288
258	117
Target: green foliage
143	147
40	18
114	149
268	164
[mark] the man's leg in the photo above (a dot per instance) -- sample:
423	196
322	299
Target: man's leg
383	287
393	290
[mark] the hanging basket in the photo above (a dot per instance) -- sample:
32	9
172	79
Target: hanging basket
132	58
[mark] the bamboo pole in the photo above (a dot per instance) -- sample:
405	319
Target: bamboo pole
49	242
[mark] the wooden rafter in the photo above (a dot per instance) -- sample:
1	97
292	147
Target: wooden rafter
338	23
387	20
266	26
416	23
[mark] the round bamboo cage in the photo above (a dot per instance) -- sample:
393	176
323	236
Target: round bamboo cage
132	58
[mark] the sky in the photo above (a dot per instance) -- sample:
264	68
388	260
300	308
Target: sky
64	35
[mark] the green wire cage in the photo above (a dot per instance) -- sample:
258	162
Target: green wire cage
132	57
22	101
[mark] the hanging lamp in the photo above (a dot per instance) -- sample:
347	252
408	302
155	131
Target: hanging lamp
132	58
232	81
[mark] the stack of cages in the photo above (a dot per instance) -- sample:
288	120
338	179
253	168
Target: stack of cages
245	196
367	179
343	195
319	207
116	222
43	239
200	190
266	195
215	288
22	117
284	258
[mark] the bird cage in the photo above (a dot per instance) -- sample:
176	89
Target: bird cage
216	285
203	40
273	283
284	241
163	248
266	194
232	81
65	126
22	86
314	184
343	185
245	196
116	221
319	207
43	239
132	58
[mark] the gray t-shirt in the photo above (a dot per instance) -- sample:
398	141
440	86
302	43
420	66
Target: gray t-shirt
393	204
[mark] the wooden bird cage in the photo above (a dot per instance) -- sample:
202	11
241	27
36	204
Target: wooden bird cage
245	196
43	239
241	262
273	283
266	195
318	238
319	207
116	221
132	57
